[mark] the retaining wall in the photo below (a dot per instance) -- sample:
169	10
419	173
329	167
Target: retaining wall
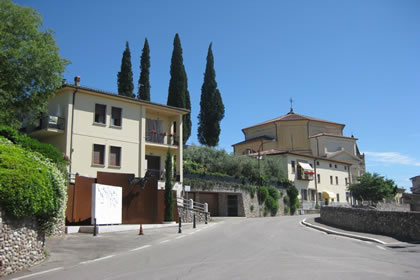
21	244
401	225
187	215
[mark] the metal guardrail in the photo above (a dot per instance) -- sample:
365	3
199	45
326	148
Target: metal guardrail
163	138
191	204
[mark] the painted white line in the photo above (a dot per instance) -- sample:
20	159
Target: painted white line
164	241
380	247
198	230
191	233
179	237
99	259
142	247
38	273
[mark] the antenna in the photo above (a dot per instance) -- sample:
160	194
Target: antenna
291	106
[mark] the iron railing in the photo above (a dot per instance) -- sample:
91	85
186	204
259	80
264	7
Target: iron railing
191	204
162	138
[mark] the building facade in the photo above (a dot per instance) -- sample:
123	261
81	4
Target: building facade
101	131
328	160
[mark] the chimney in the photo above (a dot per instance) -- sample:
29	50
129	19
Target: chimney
77	81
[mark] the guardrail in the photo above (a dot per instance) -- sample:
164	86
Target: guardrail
193	205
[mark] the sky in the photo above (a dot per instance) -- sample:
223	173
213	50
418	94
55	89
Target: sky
352	62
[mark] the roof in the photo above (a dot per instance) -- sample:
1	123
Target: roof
332	135
264	137
291	116
183	111
277	152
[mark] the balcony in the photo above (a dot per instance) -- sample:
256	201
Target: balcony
162	138
47	126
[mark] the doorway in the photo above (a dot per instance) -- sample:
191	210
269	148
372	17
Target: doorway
232	205
153	165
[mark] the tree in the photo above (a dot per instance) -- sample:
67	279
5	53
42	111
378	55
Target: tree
144	83
30	65
178	95
125	76
373	187
212	110
169	201
293	193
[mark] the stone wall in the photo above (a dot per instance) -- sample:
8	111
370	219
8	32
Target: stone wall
187	215
21	244
401	225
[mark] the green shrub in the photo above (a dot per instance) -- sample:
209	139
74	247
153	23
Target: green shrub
317	206
286	209
252	192
47	150
272	205
293	193
251	208
31	185
286	200
274	192
262	194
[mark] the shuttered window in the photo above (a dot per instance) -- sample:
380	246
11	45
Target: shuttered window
115	156
100	113
98	154
116	116
154	130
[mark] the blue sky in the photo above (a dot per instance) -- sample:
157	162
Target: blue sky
352	62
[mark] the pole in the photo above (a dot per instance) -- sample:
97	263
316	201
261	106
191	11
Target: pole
95	229
194	221
179	225
206	221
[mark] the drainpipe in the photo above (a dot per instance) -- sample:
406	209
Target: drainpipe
77	84
317	146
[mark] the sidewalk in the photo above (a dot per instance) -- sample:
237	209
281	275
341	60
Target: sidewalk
316	223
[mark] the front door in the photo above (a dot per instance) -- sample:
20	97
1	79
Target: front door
153	165
232	205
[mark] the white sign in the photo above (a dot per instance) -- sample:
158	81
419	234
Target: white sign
106	204
187	188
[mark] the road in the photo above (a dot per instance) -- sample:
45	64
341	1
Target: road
236	248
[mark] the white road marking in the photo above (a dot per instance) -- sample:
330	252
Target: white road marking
164	241
179	237
380	247
323	232
191	233
38	273
142	247
198	230
99	259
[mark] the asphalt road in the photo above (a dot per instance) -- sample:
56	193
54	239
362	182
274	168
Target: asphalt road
236	248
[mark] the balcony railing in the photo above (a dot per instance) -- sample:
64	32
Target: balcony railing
46	123
162	138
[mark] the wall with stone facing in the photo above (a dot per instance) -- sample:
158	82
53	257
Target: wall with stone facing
187	215
21	244
401	225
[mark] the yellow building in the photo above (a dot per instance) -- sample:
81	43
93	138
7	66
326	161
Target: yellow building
101	131
315	147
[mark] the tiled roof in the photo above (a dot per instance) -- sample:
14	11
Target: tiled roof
264	137
332	135
277	152
293	117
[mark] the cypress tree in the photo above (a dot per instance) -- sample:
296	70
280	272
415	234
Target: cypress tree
144	83
212	110
178	95
125	76
169	201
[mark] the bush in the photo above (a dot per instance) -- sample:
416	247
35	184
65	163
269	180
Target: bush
251	208
286	209
293	193
47	150
262	193
272	205
31	185
274	192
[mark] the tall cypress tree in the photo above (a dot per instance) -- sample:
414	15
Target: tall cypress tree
144	83
212	110
178	95
125	76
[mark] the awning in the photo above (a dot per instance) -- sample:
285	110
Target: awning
307	169
328	195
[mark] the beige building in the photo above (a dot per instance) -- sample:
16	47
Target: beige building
101	131
318	147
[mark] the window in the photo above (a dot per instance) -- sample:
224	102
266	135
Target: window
346	180
100	113
98	154
116	116
331	180
345	167
317	163
319	178
304	194
335	165
293	166
347	196
338	198
330	165
115	156
319	196
336	180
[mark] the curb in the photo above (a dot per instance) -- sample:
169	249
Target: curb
329	231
